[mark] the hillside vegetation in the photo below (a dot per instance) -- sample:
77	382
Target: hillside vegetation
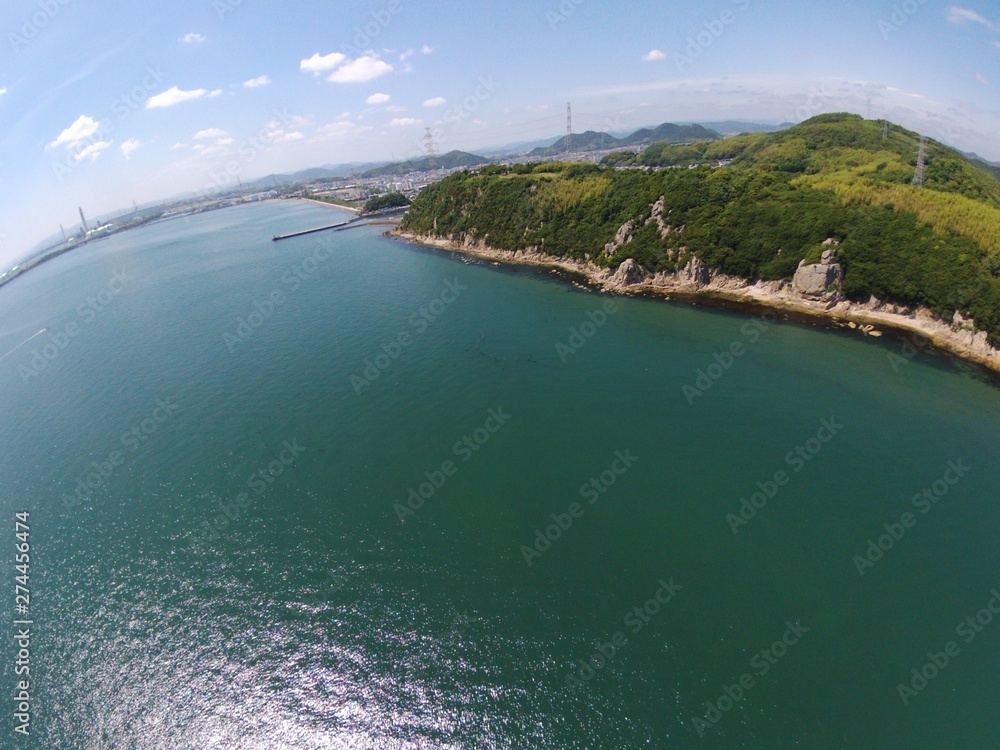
389	200
450	160
778	199
594	141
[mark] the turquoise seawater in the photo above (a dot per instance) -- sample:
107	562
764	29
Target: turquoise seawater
248	567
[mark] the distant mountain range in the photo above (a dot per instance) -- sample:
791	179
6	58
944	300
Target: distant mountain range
593	141
742	126
327	171
993	167
518	147
589	141
450	160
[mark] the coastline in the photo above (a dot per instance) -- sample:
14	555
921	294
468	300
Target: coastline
699	285
331	205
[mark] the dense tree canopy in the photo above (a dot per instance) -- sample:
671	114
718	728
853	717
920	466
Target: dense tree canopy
782	195
389	200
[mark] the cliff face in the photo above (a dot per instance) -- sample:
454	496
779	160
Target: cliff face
816	294
819	280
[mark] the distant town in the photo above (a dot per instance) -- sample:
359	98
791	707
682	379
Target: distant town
355	190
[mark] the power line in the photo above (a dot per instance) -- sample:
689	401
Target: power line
918	175
569	126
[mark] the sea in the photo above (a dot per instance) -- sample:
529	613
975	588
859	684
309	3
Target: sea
346	491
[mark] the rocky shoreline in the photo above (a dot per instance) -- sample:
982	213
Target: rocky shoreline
696	282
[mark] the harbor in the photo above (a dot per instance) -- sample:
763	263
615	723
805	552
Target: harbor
391	217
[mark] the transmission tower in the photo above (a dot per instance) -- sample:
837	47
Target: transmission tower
885	130
429	142
918	176
569	126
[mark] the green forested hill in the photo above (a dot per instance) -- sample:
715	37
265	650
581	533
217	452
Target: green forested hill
780	197
593	141
445	161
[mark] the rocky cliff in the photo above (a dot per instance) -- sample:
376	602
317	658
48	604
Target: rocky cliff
816	295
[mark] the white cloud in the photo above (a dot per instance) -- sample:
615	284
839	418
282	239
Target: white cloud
318	63
395	108
280	136
365	68
177	146
653	55
92	151
202	135
193	38
216	92
224	141
278	127
377	99
203	150
405	55
79	131
3	90
256	83
426	50
403	122
174	95
982	79
437	101
129	146
964	15
343	129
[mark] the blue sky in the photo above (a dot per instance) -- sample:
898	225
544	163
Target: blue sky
102	103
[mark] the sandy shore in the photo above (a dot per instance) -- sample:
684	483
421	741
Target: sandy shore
696	284
331	205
